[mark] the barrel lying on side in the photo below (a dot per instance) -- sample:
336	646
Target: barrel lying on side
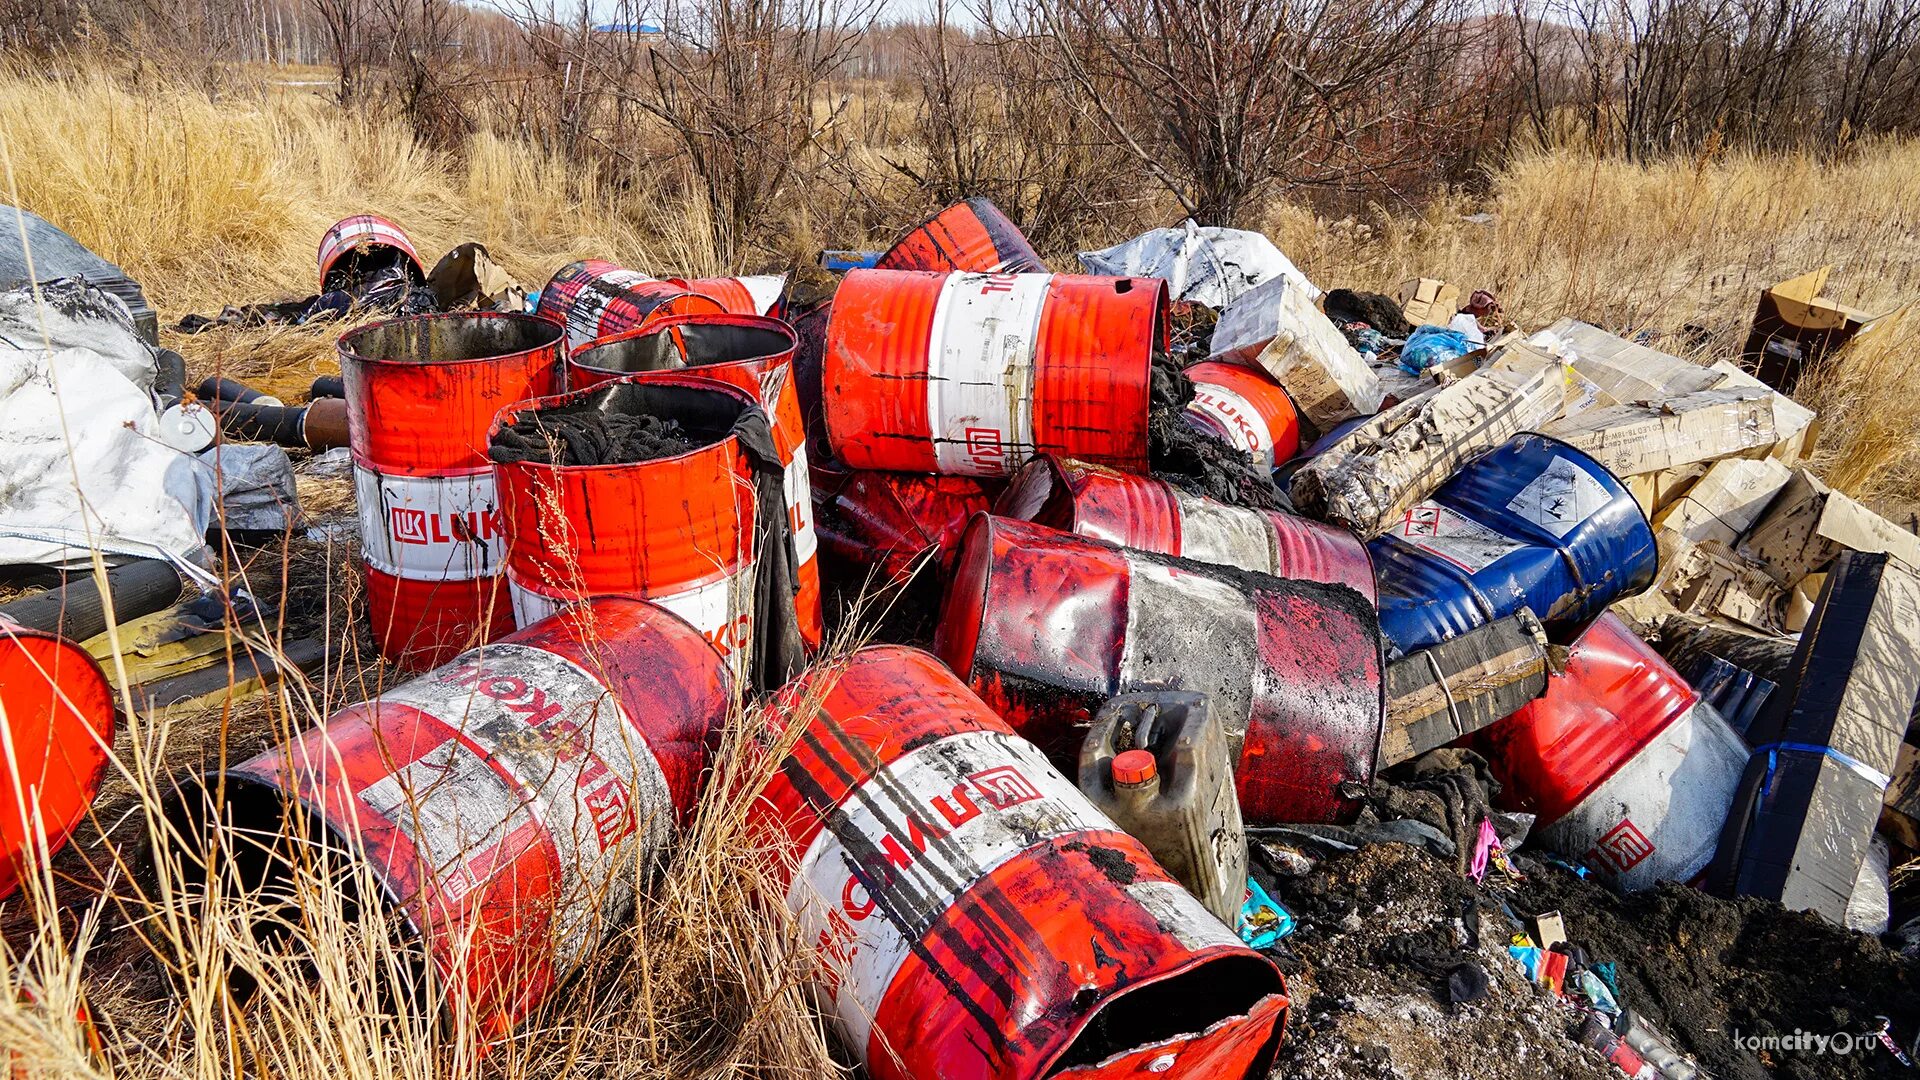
58	710
364	238
1247	409
500	801
1046	626
594	298
976	917
970	235
421	395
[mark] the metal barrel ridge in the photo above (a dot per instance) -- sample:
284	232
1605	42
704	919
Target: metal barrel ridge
422	393
358	235
972	235
59	713
501	800
892	520
971	374
755	354
1149	514
1622	762
1246	409
976	917
1534	523
678	531
1046	626
594	298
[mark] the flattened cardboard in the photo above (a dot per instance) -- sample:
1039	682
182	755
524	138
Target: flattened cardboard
1726	501
1809	525
1704	426
1436	695
1381	469
1656	491
1797	424
1428	301
1626	370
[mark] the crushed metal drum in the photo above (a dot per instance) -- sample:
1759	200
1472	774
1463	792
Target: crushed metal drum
422	393
896	522
501	802
971	374
975	916
1047	625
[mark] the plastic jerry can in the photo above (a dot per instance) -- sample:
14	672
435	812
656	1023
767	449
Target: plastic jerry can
1161	766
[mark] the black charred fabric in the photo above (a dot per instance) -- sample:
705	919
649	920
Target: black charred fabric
1184	456
589	437
1380	312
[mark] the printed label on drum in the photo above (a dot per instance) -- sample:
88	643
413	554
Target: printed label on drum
799	490
980	368
1560	498
1459	540
429	528
721	610
574	763
905	845
1235	418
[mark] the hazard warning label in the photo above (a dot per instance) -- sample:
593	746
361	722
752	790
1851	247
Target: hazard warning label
1561	497
1454	537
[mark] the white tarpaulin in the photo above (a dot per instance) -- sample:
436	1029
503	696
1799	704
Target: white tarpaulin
1210	266
81	460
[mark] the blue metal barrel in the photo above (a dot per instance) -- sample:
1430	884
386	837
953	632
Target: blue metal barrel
1534	522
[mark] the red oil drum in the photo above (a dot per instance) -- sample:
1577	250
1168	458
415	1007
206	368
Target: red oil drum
1047	625
1246	409
1152	515
421	395
594	298
975	916
973	235
500	801
363	237
58	709
753	294
677	530
1623	763
754	354
971	374
893	520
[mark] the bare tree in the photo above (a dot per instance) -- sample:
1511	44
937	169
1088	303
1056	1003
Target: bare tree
344	22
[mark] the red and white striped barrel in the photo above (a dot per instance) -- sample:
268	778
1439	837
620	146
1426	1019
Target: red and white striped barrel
750	294
1046	626
421	395
970	235
1622	762
976	917
1246	409
358	233
678	531
594	298
58	711
502	799
756	355
971	374
1152	515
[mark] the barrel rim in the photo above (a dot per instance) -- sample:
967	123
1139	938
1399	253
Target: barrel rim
701	318
105	726
653	379
348	353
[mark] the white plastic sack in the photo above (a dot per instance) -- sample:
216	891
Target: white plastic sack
1210	266
80	456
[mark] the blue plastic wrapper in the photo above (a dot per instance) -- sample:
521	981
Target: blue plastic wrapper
1430	345
1262	920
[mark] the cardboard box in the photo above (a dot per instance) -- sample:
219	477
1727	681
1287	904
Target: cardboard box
1429	301
1655	491
1704	426
1726	501
1276	326
1624	369
1809	525
1436	695
1814	789
1709	580
1370	478
1799	426
1795	326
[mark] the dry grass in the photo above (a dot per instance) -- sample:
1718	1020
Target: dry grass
210	202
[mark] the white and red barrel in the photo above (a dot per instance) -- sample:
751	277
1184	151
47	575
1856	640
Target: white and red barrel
1245	408
501	801
361	236
677	530
594	298
748	294
1626	768
58	711
972	234
755	354
975	916
1149	514
971	374
422	393
1046	626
